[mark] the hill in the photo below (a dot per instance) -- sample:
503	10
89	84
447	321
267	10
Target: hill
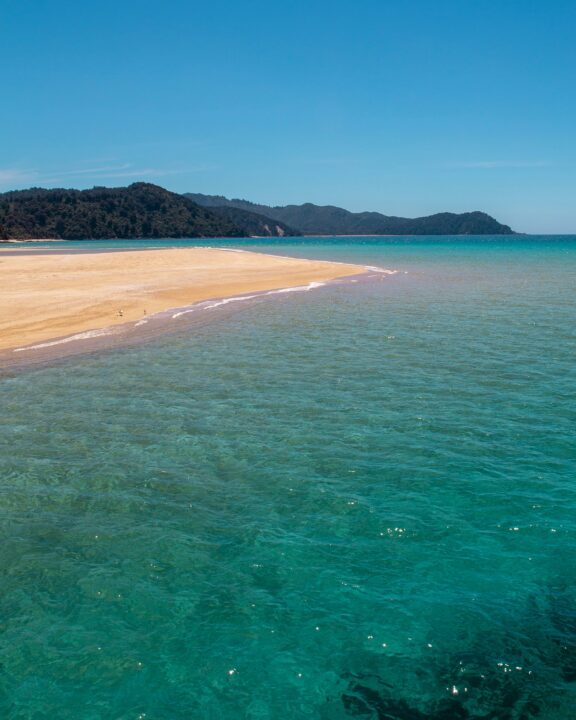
252	223
330	220
141	210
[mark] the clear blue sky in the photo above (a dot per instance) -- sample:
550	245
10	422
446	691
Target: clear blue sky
404	106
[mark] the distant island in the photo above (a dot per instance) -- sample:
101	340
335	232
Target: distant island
143	210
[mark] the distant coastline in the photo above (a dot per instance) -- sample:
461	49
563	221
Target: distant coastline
147	211
329	220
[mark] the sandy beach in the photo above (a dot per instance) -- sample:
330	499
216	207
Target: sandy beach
44	297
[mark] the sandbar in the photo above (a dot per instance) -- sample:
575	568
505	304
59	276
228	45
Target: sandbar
43	297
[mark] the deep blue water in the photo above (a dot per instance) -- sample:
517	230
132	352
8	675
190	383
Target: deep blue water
353	502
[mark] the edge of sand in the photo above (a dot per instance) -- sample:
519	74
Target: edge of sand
43	315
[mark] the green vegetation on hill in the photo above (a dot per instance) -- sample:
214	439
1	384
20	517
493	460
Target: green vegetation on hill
252	223
141	210
329	220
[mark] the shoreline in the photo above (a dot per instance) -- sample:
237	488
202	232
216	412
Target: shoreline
280	238
177	321
53	302
12	241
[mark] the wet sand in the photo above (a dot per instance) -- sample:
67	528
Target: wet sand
45	297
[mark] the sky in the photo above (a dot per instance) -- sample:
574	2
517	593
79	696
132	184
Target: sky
407	107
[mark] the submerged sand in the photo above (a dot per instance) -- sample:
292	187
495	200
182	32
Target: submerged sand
43	297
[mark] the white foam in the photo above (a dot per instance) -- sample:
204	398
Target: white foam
140	322
297	288
73	338
183	312
211	304
375	268
225	301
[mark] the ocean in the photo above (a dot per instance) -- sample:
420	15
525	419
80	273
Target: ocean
353	502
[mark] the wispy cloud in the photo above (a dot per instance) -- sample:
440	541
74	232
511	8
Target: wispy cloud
495	164
125	171
95	170
13	177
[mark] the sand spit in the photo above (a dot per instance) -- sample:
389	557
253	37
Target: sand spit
45	297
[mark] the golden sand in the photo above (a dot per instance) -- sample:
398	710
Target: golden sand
43	297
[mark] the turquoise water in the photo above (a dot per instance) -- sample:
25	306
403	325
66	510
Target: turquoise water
357	502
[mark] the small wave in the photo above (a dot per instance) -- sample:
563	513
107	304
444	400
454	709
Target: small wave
210	305
225	301
297	288
73	338
375	268
183	312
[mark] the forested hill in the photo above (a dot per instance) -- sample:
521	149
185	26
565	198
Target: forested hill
141	210
253	223
329	220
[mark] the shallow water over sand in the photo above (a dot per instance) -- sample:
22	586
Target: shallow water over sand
352	502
